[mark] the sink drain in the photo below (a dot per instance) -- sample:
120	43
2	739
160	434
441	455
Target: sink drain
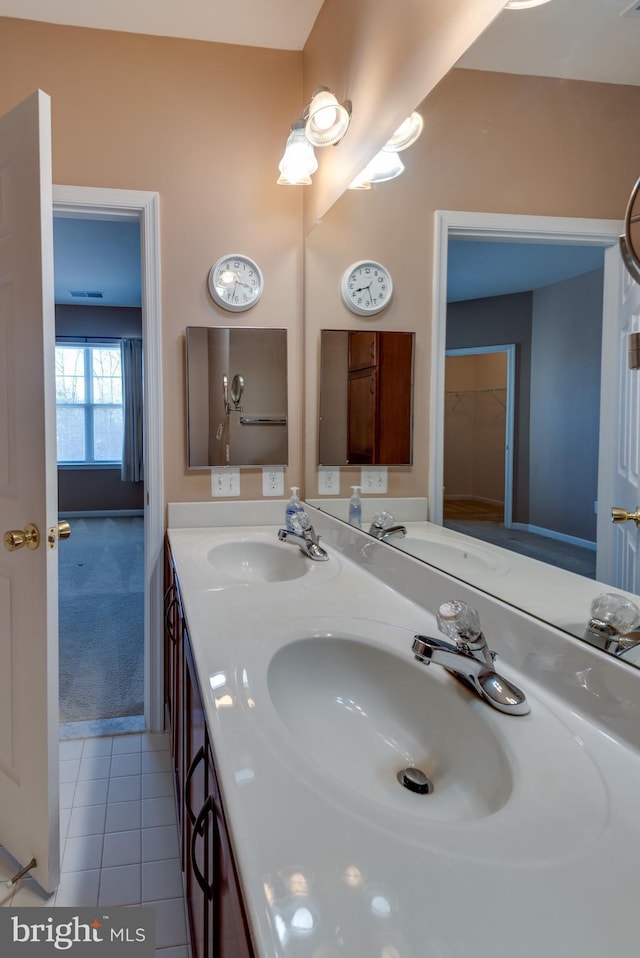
415	780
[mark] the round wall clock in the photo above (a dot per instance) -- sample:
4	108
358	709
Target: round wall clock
235	282
367	287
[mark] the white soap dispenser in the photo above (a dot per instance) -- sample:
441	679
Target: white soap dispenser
294	508
355	508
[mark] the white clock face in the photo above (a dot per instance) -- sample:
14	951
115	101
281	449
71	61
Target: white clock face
366	287
235	282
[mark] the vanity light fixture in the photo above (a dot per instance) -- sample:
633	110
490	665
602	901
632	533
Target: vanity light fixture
406	134
327	120
386	164
298	160
324	122
524	4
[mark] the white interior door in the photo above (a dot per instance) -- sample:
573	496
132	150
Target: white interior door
29	798
619	473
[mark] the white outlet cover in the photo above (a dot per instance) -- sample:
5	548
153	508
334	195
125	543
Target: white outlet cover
273	480
328	482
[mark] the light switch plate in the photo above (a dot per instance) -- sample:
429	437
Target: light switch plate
273	480
328	482
225	481
373	480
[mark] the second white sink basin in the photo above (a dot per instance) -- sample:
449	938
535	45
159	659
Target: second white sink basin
251	561
453	555
364	715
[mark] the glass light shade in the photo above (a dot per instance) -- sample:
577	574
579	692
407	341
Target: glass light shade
406	134
524	4
298	160
384	166
327	120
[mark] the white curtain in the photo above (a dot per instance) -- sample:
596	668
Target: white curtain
132	406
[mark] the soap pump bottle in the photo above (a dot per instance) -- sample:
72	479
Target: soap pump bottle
294	508
355	508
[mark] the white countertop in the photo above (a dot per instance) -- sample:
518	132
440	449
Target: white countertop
330	870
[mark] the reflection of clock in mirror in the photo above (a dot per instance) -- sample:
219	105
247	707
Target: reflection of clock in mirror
235	282
367	287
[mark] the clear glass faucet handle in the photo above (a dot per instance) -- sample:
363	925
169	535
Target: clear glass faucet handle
617	611
301	522
458	621
383	519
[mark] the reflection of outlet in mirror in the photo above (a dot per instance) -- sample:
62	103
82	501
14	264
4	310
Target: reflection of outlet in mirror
273	481
328	482
373	480
225	481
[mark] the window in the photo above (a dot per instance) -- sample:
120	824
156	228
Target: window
89	403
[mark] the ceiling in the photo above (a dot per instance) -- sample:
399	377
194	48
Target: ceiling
477	269
597	40
280	24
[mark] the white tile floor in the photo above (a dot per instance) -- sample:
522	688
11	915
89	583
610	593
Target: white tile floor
118	833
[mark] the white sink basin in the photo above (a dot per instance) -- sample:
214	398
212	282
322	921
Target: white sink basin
457	557
251	561
363	714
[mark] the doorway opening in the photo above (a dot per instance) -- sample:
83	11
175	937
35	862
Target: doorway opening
115	555
99	419
478	435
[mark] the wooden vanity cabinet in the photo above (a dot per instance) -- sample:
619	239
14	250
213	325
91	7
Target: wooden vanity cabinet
379	398
217	922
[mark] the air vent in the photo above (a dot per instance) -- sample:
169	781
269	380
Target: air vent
86	294
632	11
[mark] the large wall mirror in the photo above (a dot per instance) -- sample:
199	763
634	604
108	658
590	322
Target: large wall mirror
236	397
532	141
366	397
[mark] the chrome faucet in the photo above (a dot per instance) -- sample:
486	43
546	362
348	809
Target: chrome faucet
382	527
614	625
305	537
469	658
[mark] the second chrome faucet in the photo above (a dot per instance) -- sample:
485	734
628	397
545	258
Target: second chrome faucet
469	658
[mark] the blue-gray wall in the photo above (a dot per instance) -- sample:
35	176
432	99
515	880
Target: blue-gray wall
565	405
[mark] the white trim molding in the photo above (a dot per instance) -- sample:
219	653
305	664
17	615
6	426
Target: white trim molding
101	203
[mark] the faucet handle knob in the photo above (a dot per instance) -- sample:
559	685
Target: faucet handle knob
459	622
383	519
616	611
301	522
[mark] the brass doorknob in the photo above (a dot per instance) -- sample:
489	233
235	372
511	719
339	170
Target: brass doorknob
17	538
61	531
621	515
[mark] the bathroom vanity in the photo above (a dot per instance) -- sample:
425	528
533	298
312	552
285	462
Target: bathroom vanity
295	701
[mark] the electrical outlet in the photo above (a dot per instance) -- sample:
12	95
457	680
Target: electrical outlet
225	481
373	480
273	481
328	482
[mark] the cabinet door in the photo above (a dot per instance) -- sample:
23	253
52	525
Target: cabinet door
196	812
362	416
173	639
394	399
363	350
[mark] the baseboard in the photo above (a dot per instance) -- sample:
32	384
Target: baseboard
552	534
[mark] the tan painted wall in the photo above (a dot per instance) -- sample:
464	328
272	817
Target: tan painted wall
492	142
204	125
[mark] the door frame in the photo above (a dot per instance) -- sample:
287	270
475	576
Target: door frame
510	351
143	207
510	227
